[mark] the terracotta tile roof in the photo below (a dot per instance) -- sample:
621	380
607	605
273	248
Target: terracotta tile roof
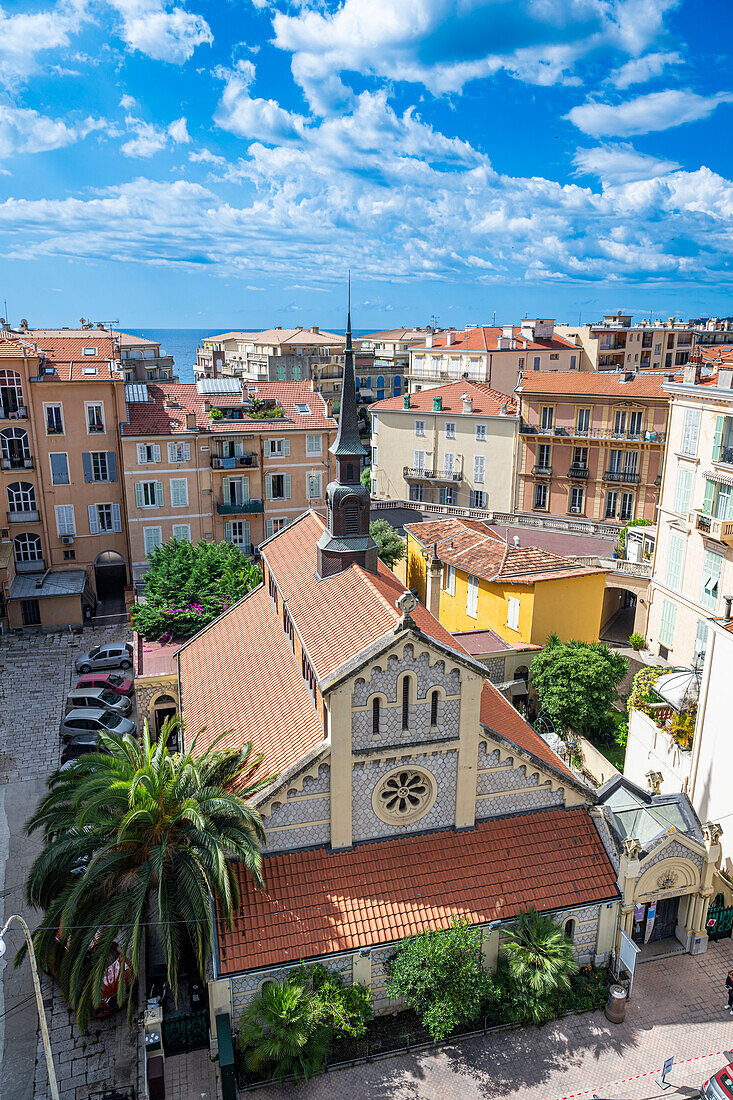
486	338
11	348
320	902
481	642
240	677
397	334
498	715
714	353
148	418
282	336
476	549
87	334
340	616
594	384
486	402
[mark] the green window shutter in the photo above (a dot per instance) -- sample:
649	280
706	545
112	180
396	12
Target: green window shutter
723	503
246	534
718	437
268	486
228	532
139	500
267	448
287	486
159	494
268	528
666	627
245	489
684	487
286	446
674	562
707	504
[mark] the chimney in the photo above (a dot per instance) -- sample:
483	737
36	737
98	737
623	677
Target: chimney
691	374
467	404
406	401
728	603
437	404
516	541
725	379
190	422
315	329
429	340
432	586
449	338
207	406
504	410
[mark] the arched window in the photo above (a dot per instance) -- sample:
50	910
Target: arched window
375	715
434	700
21	496
719	902
569	929
27	547
351	521
406	703
11	393
14	448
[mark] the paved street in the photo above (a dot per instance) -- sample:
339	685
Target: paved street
35	674
677	1010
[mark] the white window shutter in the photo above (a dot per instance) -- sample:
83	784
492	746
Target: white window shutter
268	486
156	452
228	531
93	519
139	499
286	479
116	518
172	452
186	451
159	493
267	448
268	529
141	453
286	449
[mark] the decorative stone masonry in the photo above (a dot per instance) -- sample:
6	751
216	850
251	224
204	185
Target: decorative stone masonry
508	779
675	850
518	803
441	768
384	680
585	935
296	806
419	726
246	986
495	668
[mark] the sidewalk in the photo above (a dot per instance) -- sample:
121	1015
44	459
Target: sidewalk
677	1011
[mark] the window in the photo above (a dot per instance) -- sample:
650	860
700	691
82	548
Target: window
65	520
89	351
149	494
375	716
536	363
580	458
314	485
615	461
479	469
540	496
281	373
417	492
375	420
448	496
434	700
449	462
710	587
152	537
666	626
569	929
277	486
554	355
95	416
636	419
277	448
406	703
449	580
583	422
573	361
404	796
472	597
99	466
313	445
701	640
21	496
627	507
303	410
419	427
182	531
272	526
54	420
104	517
480	433
544	456
147	453
619	423
418	460
477	498
577	494
675	555
238	533
27	547
683	490
450	429
611	504
547	417
690	431
724	502
512	613
179	492
375	456
179	452
69	555
59	468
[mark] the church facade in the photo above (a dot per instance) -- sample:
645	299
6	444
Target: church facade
405	789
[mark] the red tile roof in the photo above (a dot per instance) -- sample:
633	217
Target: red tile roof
717	354
498	715
593	384
148	418
481	642
240	677
486	402
486	338
320	902
11	348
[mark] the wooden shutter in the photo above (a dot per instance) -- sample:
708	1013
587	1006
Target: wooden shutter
266	447
268	486
286	481
707	504
93	519
718	437
172	452
86	461
286	447
268	528
666	627
156	452
65	519
111	466
142	453
139	498
684	485
674	561
116	518
159	493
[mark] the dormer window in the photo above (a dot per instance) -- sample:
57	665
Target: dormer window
304	410
89	351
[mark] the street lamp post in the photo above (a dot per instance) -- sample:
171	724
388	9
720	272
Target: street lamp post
52	1082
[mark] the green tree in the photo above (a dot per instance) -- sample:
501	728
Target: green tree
366	477
189	584
136	834
391	548
540	963
442	977
576	682
281	1031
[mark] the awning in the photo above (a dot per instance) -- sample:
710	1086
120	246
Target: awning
57	582
679	687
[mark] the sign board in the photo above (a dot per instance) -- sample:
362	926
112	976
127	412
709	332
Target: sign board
651	915
667	1066
627	953
663	1082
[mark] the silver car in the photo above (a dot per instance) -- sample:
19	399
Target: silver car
112	655
92	720
100	698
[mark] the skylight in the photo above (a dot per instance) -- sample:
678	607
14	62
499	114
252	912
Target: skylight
304	410
90	351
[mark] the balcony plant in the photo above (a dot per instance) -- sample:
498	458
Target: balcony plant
642	693
682	726
216	414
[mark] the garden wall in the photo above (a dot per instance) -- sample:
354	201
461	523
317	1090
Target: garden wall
650	748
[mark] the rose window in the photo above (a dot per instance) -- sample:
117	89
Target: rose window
404	796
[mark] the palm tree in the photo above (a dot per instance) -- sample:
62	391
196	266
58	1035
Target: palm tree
540	962
137	833
280	1031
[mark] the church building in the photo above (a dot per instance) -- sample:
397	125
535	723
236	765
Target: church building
405	788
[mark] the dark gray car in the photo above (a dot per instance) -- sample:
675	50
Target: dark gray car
92	720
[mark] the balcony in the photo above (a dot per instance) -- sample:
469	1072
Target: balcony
235	462
37	566
226	508
28	515
577	471
571	432
719	529
625	477
16	463
20	413
246	547
540	470
420	474
726	455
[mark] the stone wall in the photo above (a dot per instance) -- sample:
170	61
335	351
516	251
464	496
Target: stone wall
503	787
442	766
675	850
585	935
246	986
300	816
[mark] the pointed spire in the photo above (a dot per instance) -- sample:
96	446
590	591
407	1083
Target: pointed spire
347	440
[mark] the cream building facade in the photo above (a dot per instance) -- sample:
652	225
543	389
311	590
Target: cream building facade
616	344
693	561
450	445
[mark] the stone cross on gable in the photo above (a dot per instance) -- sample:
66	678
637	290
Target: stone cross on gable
406	603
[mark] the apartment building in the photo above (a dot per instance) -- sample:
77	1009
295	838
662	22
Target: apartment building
138	358
390	351
693	562
275	355
616	344
591	445
65	537
218	459
452	445
494	356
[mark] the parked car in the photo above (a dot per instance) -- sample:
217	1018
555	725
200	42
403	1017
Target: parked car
720	1085
112	655
92	720
99	698
108	1002
79	746
120	685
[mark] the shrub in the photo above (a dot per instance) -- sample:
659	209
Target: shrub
390	547
366	477
682	727
345	1009
440	974
540	963
642	690
637	641
216	414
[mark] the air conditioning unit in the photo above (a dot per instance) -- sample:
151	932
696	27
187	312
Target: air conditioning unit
574	509
67	540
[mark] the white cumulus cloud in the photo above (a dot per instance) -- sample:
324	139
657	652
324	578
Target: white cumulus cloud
639	70
620	163
645	114
161	32
26	131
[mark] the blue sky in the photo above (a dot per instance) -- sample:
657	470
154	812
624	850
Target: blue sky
205	162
